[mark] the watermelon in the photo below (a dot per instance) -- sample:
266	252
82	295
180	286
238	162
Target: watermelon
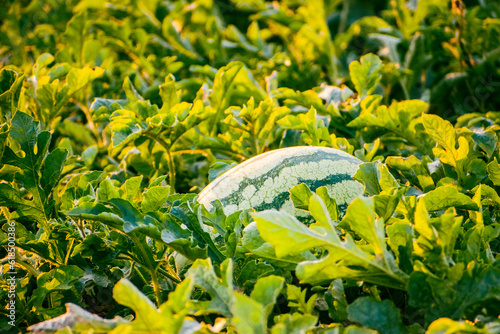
263	182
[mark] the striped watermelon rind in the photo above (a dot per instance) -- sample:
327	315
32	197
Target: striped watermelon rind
263	182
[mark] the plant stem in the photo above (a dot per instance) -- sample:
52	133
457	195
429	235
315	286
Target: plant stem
151	267
140	274
156	287
90	121
405	90
397	15
201	152
171	172
328	41
32	270
19	261
171	166
344	15
169	275
70	246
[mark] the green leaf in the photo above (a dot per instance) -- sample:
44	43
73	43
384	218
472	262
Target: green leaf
297	299
487	140
295	237
294	323
11	197
402	118
400	239
59	71
182	45
154	198
97	212
308	99
233	85
386	204
93	244
449	326
78	320
446	84
382	316
181	240
254	243
390	44
51	170
360	217
75	34
494	172
168	93
253	270
179	299
188	117
300	195
235	35
146	313
448	196
78	133
103	108
51	97
42	62
365	74
220	167
330	203
359	330
34	145
248	315
79	78
159	181
368	174
194	220
321	214
474	291
202	274
447	226
89	155
255	128
337	302
133	220
344	259
375	177
4	134
413	170
125	127
488	196
10	90
445	135
131	189
266	292
315	132
107	191
58	279
427	244
419	290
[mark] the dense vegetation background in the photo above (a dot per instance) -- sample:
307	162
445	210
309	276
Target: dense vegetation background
114	115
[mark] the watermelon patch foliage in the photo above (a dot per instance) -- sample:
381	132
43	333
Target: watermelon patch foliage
115	115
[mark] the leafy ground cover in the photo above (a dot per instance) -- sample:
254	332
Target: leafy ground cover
114	115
